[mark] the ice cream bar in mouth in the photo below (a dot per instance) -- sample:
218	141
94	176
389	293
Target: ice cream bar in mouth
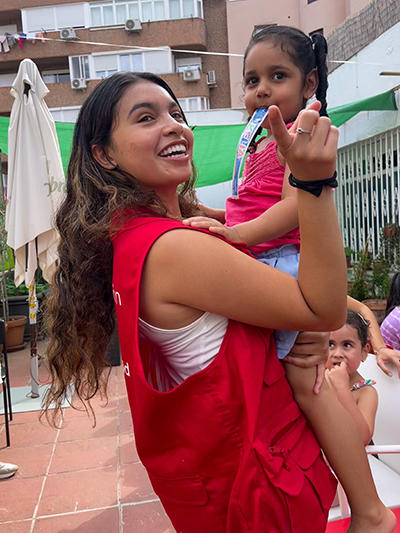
247	136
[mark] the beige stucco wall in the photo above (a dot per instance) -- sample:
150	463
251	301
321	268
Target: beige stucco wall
243	15
354	6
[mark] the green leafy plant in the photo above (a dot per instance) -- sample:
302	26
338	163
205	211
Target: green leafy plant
380	280
4	256
390	245
360	287
348	252
22	289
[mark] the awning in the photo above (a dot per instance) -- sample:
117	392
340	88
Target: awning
381	102
215	146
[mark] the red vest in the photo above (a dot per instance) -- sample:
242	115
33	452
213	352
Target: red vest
228	450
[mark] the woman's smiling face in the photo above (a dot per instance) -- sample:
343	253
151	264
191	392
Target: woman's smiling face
150	139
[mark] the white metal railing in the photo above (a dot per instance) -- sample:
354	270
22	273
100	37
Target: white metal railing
368	194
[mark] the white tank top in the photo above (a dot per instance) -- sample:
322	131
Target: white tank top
184	351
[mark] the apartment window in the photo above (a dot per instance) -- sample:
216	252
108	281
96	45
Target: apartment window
53	17
56	77
196	103
159	10
65	114
174	9
79	67
117	11
185	63
6	80
131	62
188	10
178	9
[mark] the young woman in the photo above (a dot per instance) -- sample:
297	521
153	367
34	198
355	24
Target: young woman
225	445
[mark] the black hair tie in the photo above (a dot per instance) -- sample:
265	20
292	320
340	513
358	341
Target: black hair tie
314	187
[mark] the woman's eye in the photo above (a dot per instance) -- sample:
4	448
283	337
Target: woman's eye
145	118
177	115
347	345
278	76
331	345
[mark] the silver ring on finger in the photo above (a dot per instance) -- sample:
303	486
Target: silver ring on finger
300	130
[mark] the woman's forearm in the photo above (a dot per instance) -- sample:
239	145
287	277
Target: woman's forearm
322	256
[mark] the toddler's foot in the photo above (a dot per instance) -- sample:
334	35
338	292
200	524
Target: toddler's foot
384	521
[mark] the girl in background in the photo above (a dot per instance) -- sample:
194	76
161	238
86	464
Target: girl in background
348	348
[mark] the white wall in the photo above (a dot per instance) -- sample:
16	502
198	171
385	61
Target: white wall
360	79
216	117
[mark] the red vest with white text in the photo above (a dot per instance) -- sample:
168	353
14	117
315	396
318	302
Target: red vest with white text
228	450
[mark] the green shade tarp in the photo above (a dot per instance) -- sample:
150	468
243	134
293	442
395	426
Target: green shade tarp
381	102
215	146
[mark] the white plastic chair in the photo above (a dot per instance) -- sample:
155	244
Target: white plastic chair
386	469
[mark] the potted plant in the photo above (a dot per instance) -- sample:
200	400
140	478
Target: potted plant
391	230
379	286
15	324
390	245
348	252
360	288
18	302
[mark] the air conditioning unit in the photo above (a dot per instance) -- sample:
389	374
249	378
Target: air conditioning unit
191	74
67	34
78	83
211	78
133	25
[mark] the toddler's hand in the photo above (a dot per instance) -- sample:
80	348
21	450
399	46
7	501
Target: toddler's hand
310	156
316	106
230	234
337	377
387	355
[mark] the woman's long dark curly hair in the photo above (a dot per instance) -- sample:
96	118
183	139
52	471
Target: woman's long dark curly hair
80	309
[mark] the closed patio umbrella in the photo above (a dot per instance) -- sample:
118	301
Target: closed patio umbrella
35	188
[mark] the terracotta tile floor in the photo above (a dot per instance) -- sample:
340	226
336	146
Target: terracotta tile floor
79	478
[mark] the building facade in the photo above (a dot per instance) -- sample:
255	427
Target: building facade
76	44
309	15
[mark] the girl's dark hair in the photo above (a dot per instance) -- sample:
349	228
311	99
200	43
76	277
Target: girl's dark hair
80	309
394	294
358	322
306	52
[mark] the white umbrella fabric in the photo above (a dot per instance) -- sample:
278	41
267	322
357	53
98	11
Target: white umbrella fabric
35	188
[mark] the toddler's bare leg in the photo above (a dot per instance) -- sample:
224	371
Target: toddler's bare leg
344	449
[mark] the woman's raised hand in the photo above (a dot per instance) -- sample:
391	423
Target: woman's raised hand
310	155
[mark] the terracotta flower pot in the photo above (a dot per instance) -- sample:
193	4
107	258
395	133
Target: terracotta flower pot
390	230
15	333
